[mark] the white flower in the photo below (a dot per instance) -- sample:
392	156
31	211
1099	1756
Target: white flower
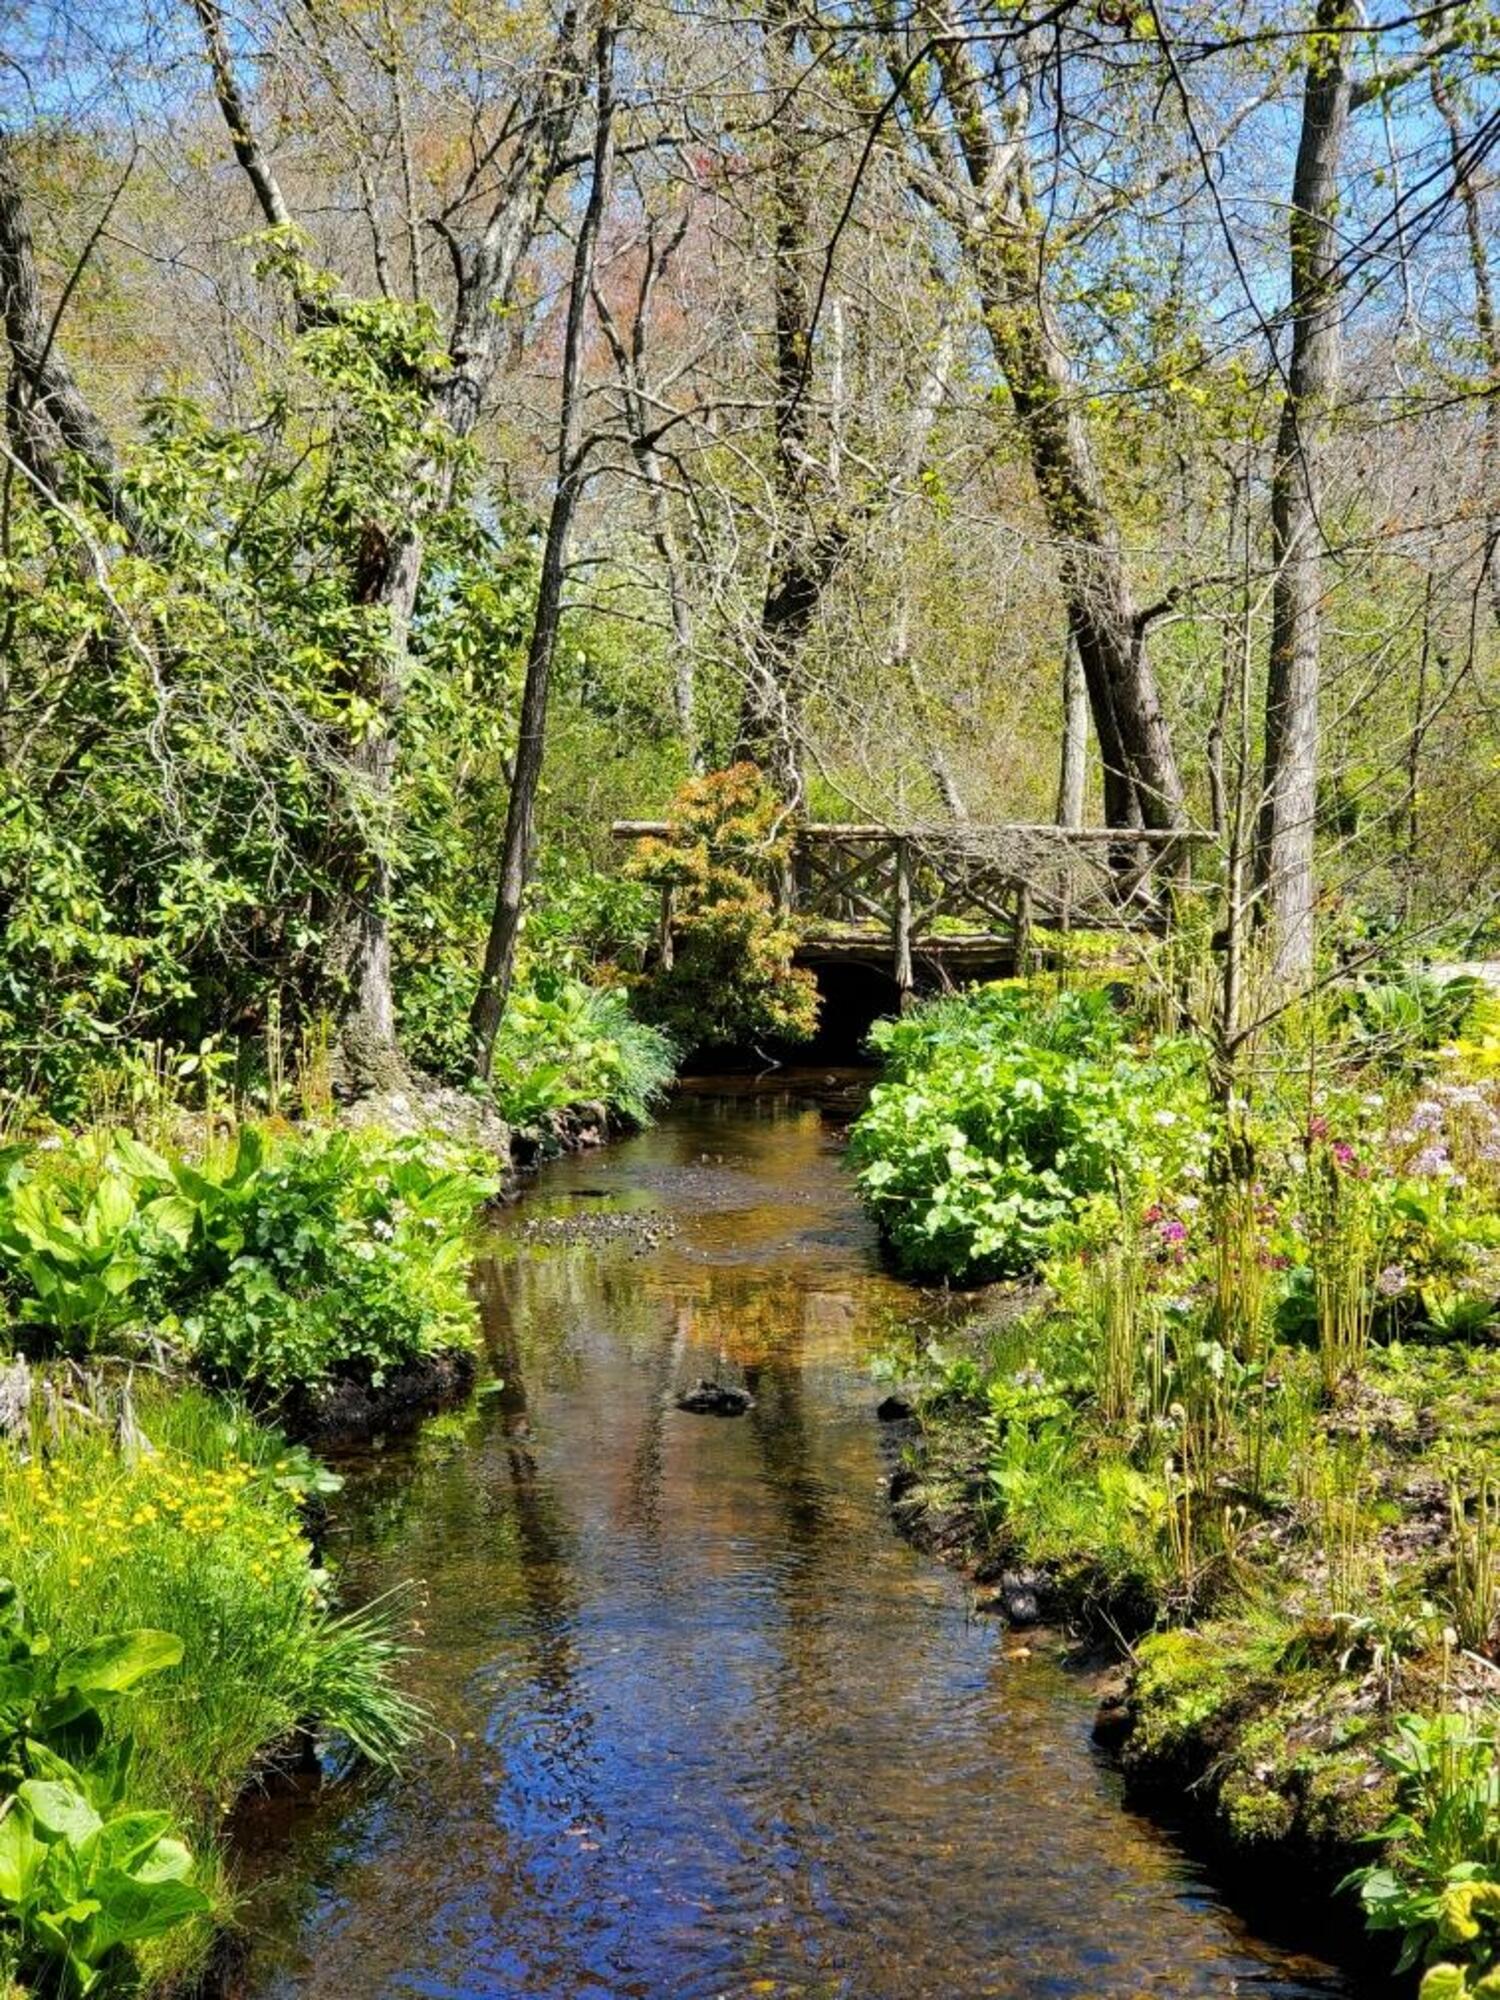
1164	1118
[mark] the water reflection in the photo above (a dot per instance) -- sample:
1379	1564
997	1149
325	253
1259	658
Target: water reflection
711	1729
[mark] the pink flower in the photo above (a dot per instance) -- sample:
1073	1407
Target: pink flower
1173	1232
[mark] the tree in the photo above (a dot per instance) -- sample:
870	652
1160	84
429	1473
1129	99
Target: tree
966	131
523	159
1289	809
517	857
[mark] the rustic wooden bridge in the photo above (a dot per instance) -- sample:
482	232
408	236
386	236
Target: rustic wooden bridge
939	905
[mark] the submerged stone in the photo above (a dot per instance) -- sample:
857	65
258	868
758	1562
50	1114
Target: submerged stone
715	1399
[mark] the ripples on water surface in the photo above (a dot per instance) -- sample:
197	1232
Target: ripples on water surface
714	1730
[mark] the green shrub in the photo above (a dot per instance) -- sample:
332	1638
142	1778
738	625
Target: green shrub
344	1254
1004	1113
732	980
1439	1887
75	1251
193	1529
288	1261
1402	1021
83	1873
564	1043
172	1512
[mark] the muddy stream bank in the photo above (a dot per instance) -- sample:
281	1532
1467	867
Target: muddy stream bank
710	1727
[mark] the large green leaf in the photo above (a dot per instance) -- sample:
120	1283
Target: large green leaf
138	1161
112	1209
131	1908
168	1861
249	1155
60	1811
1444	1982
117	1660
21	1854
127	1845
175	1216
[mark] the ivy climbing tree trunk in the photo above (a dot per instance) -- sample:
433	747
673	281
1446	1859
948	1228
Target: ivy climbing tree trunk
1289	792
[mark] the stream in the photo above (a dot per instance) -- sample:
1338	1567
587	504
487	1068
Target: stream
708	1726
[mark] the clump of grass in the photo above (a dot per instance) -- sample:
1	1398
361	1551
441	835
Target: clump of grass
352	1664
1476	1563
1116	1309
645	1058
1346	1245
564	1043
182	1516
1241	1277
1337	1479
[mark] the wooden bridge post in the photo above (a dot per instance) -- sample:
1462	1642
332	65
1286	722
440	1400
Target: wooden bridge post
664	926
901	927
1023	927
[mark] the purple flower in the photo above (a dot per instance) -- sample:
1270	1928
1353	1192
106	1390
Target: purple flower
1342	1152
1432	1160
1173	1232
1392	1281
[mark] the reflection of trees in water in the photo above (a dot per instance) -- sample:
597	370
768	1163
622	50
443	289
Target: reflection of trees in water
546	1542
754	1318
643	1510
558	1295
487	1527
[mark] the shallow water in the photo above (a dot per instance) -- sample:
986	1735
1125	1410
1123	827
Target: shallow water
713	1729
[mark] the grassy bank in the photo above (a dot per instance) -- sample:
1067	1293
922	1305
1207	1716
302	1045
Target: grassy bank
167	1522
1242	1418
181	1292
165	1303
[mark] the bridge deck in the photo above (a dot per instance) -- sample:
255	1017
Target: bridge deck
961	898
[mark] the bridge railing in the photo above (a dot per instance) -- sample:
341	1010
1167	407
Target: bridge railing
944	891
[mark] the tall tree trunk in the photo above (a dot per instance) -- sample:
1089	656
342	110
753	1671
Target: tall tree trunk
53	427
1072	774
978	178
357	954
517	851
800	559
1488	330
1142	786
1289	794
